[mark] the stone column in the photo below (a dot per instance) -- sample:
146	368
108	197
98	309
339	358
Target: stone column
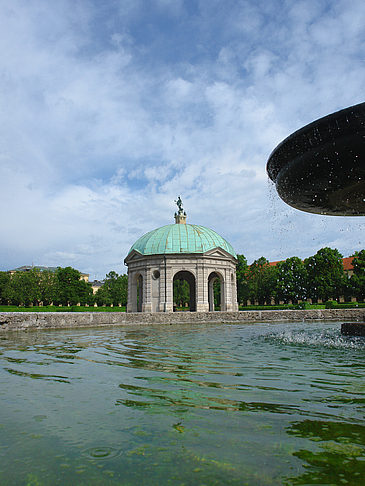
224	291
211	294
201	282
132	292
166	289
147	294
234	292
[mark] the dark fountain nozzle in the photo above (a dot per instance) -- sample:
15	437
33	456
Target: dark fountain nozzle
321	167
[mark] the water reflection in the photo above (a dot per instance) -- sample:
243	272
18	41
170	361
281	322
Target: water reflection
260	404
339	457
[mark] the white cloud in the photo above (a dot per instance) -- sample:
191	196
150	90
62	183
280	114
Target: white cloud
100	129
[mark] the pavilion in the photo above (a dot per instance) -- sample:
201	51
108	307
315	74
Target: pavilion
185	252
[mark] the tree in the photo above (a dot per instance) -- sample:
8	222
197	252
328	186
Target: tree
103	297
325	274
114	290
24	288
291	280
70	289
242	284
4	287
261	279
116	286
86	295
47	284
357	280
217	293
181	292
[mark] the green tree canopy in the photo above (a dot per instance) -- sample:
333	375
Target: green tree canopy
116	287
70	289
261	279
291	280
241	275
24	288
114	290
47	285
181	292
4	287
325	274
357	280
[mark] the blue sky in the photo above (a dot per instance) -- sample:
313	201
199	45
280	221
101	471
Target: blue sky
111	109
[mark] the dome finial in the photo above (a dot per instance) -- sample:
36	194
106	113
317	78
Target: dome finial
180	216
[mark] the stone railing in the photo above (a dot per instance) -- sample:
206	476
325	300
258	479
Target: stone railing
16	321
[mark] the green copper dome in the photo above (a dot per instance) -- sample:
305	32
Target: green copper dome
181	238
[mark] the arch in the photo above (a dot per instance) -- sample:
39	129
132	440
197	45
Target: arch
215	291
189	277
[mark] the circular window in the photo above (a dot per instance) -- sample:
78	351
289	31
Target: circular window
156	274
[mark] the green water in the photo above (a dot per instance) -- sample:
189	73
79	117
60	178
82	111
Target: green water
183	405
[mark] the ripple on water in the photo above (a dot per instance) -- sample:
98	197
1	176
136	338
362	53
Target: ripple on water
191	404
102	452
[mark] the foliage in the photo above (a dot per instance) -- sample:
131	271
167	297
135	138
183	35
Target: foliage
64	287
24	288
291	280
103	297
70	289
302	305
357	280
320	276
242	284
114	290
53	308
47	287
181	293
325	274
217	294
261	281
4	285
332	304
34	287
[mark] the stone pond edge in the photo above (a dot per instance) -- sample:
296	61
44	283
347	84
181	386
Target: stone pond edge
18	321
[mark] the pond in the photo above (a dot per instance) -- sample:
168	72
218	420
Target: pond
261	404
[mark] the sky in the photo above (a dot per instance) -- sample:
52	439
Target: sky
110	110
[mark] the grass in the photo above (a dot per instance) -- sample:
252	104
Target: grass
282	307
54	308
81	308
325	305
344	305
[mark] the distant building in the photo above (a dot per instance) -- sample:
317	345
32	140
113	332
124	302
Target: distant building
348	266
95	285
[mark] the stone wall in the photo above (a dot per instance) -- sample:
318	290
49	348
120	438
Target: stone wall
16	321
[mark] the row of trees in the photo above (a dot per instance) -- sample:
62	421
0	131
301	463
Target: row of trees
320	276
63	287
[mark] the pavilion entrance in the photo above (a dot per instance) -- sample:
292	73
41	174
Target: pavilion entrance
215	291
184	291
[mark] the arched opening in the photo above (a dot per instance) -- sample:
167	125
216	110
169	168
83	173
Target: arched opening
184	291
139	293
215	292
